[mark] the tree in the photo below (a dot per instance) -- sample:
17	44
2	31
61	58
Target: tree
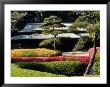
15	17
89	20
20	18
50	26
83	43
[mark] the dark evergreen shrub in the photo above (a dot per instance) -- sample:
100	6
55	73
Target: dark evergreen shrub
69	68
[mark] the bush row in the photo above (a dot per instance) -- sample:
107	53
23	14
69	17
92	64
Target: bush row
68	68
37	59
19	72
84	59
34	52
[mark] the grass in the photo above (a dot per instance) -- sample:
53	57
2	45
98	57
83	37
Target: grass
18	72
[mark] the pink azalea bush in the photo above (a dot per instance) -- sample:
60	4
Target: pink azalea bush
84	59
91	50
37	59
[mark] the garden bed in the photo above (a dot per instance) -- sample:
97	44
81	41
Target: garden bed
38	52
37	59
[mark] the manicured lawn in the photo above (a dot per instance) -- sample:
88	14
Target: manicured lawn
18	72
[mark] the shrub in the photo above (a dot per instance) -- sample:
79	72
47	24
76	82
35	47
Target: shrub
97	56
34	52
19	72
84	59
65	68
96	67
37	59
91	51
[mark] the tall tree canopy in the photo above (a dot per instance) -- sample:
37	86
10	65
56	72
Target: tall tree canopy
89	20
20	18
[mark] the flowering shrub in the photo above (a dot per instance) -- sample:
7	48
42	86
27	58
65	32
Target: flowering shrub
37	59
84	59
34	52
92	49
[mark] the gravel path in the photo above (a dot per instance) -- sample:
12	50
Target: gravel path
75	54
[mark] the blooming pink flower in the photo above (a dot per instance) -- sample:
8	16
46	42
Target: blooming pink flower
37	59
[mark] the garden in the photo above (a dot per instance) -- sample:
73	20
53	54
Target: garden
47	59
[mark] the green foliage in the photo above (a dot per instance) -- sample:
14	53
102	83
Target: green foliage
52	21
49	27
49	41
91	16
20	18
68	68
77	24
93	29
97	56
89	20
96	67
28	53
52	32
16	71
82	43
15	17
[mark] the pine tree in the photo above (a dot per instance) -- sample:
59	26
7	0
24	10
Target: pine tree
51	26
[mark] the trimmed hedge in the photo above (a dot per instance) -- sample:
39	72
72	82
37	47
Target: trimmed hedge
34	52
96	67
84	59
37	59
18	72
68	68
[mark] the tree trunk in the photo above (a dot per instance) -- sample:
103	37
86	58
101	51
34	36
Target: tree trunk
54	44
90	65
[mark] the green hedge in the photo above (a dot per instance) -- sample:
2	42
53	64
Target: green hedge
19	72
96	67
68	68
